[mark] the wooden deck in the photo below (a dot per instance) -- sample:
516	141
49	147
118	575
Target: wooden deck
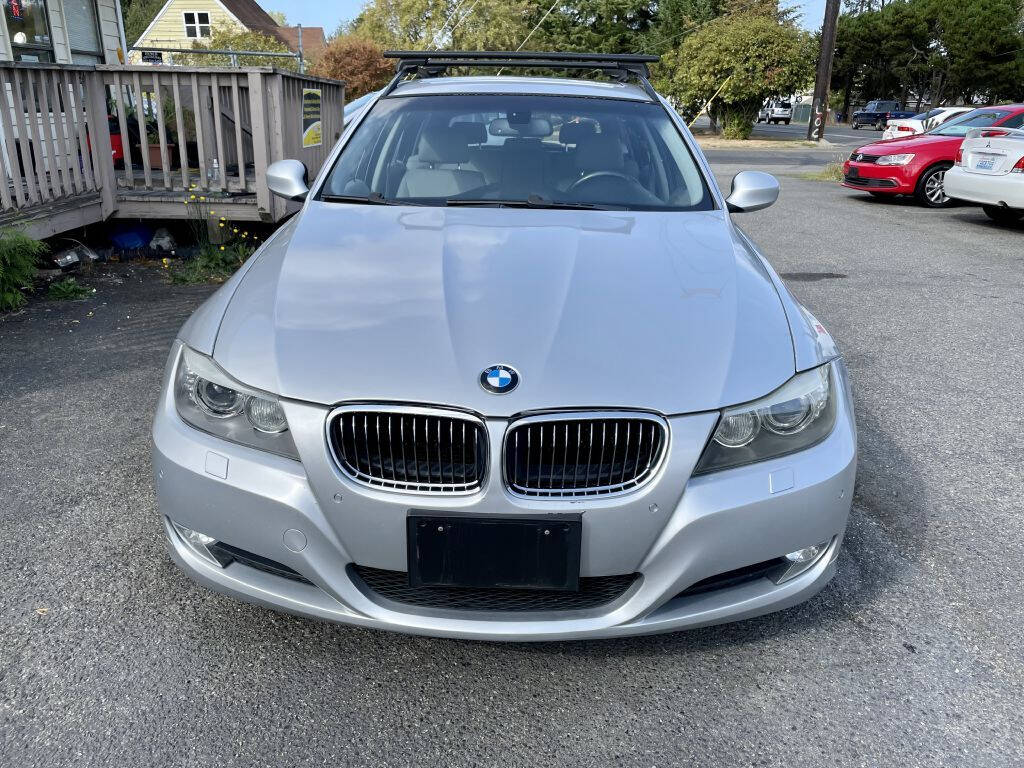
176	132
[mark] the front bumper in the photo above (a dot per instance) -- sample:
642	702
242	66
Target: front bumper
1007	189
887	179
674	532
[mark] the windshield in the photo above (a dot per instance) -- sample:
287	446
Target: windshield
544	151
978	118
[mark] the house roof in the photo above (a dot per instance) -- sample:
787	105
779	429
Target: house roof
313	39
251	16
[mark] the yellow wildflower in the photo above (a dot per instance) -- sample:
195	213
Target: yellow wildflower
222	247
191	197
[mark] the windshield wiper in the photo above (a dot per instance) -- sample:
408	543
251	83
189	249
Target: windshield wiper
374	198
533	201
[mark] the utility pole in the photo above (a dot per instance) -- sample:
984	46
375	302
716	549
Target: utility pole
819	107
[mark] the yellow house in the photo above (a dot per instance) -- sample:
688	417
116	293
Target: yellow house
181	23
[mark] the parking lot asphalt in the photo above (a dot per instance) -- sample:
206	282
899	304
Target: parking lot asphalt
912	656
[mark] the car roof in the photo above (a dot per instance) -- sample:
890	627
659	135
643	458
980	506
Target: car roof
534	86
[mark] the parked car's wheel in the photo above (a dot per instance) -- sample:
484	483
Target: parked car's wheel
786	122
855	126
1003	215
930	187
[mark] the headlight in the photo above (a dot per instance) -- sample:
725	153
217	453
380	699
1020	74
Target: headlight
894	159
795	416
210	400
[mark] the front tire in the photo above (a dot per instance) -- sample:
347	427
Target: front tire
786	122
930	190
1003	215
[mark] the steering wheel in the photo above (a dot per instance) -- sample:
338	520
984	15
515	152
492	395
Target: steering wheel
595	175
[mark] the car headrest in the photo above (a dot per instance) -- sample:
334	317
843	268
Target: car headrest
573	133
535	129
470	133
440	144
600	152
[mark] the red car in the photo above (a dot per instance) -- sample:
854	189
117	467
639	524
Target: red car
916	165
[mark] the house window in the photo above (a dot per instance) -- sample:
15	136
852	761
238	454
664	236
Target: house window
197	24
29	30
83	31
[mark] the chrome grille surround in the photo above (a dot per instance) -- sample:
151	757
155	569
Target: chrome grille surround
603	453
409	449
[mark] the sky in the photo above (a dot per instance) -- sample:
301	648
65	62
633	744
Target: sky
330	13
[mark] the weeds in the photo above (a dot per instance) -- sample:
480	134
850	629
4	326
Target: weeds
214	261
68	289
833	171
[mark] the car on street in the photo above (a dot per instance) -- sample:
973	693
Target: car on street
776	112
511	373
922	122
877	114
989	170
917	165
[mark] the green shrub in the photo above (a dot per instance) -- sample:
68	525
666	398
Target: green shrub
737	125
68	289
18	254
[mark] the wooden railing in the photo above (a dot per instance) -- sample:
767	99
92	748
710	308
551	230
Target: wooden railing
149	134
54	142
216	130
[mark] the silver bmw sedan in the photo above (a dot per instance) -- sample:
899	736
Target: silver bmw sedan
511	373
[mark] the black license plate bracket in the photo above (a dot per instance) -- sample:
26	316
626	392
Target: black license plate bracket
494	552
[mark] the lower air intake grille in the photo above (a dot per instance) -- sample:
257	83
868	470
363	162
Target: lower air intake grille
415	449
583	455
594	591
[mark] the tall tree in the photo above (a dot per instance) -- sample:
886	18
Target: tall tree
740	60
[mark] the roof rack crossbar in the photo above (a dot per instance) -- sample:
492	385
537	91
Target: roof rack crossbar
619	66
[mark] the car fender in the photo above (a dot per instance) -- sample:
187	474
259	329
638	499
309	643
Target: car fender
200	330
813	345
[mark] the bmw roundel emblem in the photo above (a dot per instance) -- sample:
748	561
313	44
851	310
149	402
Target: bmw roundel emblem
499	379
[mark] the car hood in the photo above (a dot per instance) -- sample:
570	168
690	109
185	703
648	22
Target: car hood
918	142
668	312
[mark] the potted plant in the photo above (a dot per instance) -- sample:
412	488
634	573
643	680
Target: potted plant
153	139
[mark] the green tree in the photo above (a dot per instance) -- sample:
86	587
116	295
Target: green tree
137	16
750	57
233	38
423	24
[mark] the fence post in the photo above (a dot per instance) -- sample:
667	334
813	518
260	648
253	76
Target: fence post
275	134
260	142
99	137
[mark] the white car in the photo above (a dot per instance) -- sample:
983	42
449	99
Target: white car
990	170
776	112
925	121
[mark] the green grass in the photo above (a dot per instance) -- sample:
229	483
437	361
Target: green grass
833	171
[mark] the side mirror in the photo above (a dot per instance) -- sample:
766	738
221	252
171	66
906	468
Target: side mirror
752	191
288	179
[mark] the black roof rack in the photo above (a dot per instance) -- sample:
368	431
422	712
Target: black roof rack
620	66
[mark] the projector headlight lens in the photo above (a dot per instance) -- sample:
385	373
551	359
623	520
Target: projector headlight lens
209	399
796	416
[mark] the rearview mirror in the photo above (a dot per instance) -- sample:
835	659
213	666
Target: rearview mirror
288	179
752	191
